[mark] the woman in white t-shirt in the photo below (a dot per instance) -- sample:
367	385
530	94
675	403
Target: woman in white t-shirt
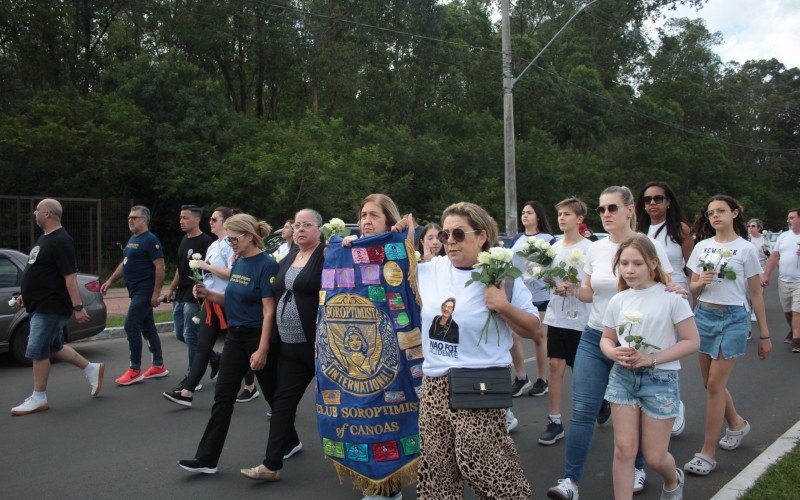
590	373
487	459
724	268
756	228
643	385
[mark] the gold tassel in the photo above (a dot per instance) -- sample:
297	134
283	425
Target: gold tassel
384	487
412	271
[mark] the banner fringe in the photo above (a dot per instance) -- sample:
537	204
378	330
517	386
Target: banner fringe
391	484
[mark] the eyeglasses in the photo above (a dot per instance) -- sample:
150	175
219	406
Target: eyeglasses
302	225
718	211
214	219
233	240
458	235
657	199
612	208
752	225
134	217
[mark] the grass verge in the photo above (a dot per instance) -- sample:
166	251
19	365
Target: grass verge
117	321
780	481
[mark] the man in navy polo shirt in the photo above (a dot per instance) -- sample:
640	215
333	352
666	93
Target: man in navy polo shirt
143	268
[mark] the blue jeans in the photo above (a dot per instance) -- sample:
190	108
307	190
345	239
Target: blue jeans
185	329
139	323
46	335
589	381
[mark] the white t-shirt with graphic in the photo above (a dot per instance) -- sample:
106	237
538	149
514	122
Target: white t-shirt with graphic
457	344
759	243
674	253
603	280
219	254
743	262
538	288
557	309
661	310
789	263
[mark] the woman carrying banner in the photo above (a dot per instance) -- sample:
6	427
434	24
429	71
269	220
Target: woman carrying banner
297	285
371	436
469	445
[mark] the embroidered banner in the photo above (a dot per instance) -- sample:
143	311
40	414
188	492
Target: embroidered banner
368	368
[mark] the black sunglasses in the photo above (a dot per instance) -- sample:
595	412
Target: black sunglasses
658	199
458	235
612	208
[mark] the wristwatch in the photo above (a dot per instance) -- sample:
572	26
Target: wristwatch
78	308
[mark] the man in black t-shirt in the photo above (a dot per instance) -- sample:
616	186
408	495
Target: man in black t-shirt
185	313
50	295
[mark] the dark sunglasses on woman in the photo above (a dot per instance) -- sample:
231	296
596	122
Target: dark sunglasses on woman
458	235
612	208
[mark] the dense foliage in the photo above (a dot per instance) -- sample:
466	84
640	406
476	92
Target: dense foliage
272	106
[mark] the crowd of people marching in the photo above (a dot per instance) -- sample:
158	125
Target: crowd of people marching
413	351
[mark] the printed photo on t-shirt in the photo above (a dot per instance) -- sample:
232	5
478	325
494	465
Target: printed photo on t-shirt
443	327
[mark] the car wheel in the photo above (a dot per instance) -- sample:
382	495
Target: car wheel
19	342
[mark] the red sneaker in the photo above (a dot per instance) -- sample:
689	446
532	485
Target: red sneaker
156	372
130	376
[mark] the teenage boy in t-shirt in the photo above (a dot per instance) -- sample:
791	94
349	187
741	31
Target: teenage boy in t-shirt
143	268
50	295
186	307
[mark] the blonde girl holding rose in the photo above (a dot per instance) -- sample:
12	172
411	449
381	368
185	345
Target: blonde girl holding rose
724	269
643	386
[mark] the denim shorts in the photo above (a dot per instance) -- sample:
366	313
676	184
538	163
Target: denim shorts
46	335
656	392
725	328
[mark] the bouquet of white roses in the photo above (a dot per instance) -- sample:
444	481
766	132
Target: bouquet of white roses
718	262
13	303
567	270
335	227
538	251
197	277
633	318
494	266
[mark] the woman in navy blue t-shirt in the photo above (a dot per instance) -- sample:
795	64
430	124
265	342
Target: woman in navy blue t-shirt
250	310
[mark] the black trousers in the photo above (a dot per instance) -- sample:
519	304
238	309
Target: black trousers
240	344
295	370
206	338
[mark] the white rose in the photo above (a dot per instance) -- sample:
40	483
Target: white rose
535	270
508	255
497	253
725	252
484	258
197	256
12	302
633	317
576	258
337	224
194	264
195	320
417	256
551	253
545	245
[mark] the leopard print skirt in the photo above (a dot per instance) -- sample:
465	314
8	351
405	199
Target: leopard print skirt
465	445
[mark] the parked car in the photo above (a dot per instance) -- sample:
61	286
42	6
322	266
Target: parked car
275	239
14	324
770	239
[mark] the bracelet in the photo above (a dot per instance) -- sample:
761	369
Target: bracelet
654	362
764	338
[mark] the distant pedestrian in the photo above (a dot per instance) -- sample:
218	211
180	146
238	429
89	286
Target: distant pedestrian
143	268
287	233
186	309
50	295
756	230
786	254
587	233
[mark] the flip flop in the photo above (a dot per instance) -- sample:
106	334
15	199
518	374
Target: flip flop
732	439
700	465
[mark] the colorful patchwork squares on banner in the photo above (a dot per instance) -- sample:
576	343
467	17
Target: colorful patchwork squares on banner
385	451
394	396
415	353
395	251
333	448
416	371
376	254
331	397
377	294
393	274
357	452
400	320
410	444
345	278
328	278
360	256
396	302
407	340
371	274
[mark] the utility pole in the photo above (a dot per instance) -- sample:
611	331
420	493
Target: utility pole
508	124
508	110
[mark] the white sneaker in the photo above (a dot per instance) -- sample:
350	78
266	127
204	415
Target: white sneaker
639	475
564	490
294	451
680	421
511	421
198	388
399	496
29	406
96	378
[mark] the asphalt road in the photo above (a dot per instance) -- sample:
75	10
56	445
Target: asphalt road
125	444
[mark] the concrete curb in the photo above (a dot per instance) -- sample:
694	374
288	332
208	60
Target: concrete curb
746	479
119	332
